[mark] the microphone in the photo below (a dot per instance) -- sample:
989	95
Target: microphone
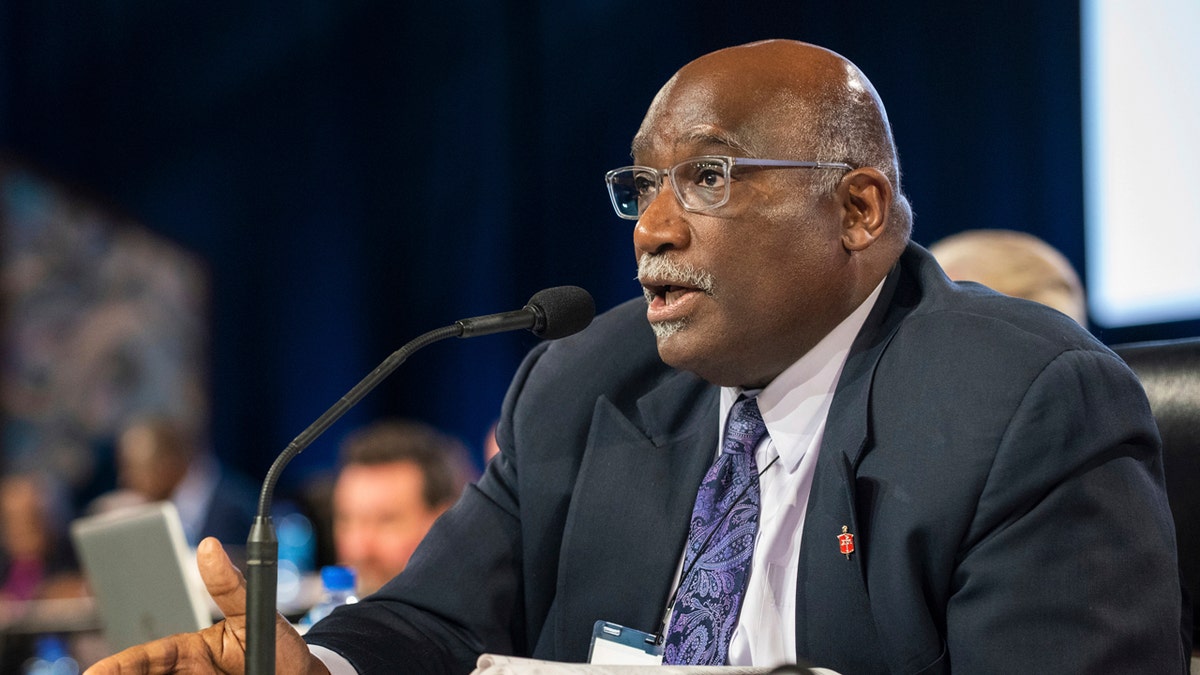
551	313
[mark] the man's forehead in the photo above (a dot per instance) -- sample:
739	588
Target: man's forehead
718	113
766	128
699	139
759	97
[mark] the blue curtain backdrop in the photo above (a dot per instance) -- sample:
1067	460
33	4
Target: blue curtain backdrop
355	173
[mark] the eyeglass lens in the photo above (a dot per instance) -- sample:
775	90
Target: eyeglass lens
699	183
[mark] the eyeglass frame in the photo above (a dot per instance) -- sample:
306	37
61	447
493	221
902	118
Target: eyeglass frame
728	161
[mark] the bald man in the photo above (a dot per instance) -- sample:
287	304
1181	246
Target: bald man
1014	263
916	477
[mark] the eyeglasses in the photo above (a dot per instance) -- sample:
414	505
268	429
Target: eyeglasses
700	183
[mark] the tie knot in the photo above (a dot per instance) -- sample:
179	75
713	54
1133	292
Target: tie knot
744	428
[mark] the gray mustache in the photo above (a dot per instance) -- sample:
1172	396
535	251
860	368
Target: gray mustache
667	270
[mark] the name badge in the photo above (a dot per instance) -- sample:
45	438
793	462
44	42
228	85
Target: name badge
616	645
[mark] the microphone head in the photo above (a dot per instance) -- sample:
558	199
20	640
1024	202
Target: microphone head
561	311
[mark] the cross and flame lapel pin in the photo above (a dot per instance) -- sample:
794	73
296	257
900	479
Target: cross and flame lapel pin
846	541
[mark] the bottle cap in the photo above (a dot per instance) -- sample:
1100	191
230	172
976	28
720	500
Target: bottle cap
337	578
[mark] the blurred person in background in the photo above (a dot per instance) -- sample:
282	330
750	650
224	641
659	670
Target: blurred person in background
159	460
36	561
1017	264
396	477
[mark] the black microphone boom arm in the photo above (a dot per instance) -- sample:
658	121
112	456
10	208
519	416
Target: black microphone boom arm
262	548
551	313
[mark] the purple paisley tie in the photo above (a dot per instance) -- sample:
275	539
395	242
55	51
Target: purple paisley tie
720	544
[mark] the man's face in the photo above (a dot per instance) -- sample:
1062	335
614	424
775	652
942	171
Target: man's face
773	253
379	517
147	468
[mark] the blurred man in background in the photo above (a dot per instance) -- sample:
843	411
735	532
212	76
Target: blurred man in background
159	460
1014	263
396	478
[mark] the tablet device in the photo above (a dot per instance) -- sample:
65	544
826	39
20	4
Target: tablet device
142	573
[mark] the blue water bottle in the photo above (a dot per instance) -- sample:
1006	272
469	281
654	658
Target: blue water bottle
338	582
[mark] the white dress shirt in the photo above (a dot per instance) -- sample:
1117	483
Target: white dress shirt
794	407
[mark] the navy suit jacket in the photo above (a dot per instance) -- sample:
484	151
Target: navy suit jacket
999	467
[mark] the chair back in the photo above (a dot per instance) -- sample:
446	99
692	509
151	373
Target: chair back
1170	373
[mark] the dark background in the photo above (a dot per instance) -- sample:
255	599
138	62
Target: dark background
356	173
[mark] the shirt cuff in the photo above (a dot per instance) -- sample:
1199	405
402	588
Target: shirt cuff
335	662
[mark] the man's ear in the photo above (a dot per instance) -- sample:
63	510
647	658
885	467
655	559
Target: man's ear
866	197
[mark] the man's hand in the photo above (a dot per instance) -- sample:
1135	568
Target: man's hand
220	648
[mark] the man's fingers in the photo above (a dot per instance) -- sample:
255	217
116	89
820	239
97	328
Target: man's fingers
186	652
223	580
219	648
227	587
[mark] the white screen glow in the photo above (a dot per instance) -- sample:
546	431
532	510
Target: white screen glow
1141	123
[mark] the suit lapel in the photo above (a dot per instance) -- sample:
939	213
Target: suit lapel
631	507
834	625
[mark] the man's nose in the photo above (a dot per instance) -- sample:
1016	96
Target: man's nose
353	546
662	226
